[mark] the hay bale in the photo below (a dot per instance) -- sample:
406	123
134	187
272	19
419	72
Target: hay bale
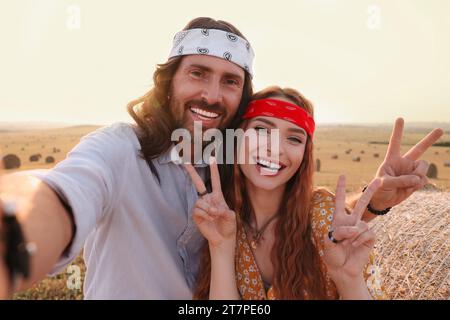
348	151
35	157
412	250
11	161
334	156
49	159
362	151
430	187
447	164
436	152
318	165
432	171
356	159
376	155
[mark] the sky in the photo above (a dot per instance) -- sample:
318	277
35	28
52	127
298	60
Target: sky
358	61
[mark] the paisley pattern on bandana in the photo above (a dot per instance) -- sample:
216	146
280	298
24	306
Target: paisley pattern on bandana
213	42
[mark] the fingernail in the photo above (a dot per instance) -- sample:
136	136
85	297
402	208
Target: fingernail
212	160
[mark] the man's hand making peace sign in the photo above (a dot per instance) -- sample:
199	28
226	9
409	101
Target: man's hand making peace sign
401	175
211	213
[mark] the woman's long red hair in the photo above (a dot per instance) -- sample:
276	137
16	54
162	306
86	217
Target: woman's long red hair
297	267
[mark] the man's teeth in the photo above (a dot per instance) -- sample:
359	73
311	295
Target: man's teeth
211	115
269	165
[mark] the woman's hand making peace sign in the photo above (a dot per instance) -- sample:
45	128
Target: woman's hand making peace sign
213	217
347	255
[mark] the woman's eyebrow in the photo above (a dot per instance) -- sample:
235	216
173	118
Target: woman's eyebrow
297	130
270	123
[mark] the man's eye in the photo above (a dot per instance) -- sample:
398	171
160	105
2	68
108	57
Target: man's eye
232	82
196	73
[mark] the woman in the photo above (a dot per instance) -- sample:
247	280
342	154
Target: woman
282	240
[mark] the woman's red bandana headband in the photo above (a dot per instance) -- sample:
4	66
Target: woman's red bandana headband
282	110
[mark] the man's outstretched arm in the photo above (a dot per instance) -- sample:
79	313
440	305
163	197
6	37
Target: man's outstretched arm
44	221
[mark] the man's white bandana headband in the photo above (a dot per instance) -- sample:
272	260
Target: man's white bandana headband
213	42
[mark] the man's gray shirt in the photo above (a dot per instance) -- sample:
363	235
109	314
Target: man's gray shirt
140	241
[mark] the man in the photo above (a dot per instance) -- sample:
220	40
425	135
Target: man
122	194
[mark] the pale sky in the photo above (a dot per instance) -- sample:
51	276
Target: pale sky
357	60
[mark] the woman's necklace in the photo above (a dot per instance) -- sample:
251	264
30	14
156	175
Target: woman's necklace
257	234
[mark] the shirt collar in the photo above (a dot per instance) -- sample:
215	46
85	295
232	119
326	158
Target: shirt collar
172	156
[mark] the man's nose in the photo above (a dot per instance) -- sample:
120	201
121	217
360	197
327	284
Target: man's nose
212	93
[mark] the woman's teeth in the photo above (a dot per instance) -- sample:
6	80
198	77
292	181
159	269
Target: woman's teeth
269	166
204	115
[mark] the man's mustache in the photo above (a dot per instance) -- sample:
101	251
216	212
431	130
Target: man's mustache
217	107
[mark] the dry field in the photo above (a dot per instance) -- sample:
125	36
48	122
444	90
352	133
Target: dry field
413	245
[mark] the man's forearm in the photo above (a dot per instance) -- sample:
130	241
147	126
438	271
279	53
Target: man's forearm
44	221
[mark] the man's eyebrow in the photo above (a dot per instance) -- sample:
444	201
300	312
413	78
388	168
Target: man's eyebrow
208	69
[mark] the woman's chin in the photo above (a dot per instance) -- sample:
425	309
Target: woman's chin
264	183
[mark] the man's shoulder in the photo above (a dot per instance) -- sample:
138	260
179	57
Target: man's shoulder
118	134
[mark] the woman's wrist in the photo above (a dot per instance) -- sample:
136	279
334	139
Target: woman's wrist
351	288
224	247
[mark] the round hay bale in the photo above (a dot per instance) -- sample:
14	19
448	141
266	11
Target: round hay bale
412	250
11	161
348	151
35	157
432	171
376	155
356	159
447	164
49	159
334	156
430	187
362	151
436	152
318	165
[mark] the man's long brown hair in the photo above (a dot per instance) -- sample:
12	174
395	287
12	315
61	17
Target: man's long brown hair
297	267
152	112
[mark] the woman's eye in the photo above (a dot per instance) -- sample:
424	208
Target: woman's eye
261	129
295	139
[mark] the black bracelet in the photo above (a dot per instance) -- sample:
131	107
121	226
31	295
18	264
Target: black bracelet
376	212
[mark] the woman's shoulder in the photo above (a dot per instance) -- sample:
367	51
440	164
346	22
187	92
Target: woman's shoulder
322	195
322	211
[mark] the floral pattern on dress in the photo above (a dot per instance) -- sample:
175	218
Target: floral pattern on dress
248	277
